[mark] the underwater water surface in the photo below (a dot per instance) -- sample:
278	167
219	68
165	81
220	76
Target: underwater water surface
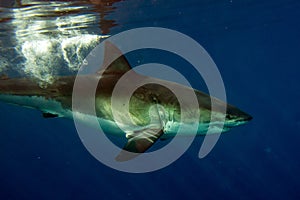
255	45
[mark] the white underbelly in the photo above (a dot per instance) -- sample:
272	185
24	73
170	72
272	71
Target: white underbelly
39	103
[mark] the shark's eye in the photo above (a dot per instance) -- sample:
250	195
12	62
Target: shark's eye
229	117
154	98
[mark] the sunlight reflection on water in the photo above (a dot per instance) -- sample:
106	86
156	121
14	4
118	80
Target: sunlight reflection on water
43	39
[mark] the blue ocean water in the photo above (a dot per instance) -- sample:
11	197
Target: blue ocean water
255	45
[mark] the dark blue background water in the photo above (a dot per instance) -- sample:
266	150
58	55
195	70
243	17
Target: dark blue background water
256	45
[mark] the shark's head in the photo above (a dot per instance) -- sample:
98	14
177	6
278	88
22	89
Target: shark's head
235	117
149	95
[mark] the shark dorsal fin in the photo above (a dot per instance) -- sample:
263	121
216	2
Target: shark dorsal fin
119	65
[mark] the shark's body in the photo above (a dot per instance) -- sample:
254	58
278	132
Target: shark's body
56	101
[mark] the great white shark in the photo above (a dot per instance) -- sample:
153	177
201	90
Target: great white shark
147	102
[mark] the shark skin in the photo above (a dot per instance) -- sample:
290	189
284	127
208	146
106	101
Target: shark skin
148	102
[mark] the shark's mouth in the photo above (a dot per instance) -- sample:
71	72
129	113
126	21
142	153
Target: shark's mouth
232	123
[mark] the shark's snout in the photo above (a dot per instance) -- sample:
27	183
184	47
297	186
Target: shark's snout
236	117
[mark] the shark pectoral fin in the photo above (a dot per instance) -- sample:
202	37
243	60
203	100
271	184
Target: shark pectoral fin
139	143
49	115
